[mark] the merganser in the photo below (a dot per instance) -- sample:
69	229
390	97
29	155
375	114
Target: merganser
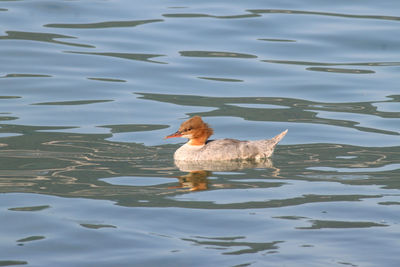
199	148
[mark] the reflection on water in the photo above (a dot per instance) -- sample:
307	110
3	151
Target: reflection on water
231	165
35	208
338	70
198	15
130	56
199	171
299	12
41	37
88	91
102	25
79	102
316	224
30	238
215	54
194	180
306	63
231	243
297	110
72	165
25	75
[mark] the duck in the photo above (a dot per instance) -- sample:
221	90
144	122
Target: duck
199	148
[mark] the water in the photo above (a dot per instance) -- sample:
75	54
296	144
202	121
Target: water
88	90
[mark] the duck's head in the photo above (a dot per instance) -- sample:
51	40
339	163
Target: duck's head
195	129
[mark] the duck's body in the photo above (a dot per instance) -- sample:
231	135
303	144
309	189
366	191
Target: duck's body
228	149
199	149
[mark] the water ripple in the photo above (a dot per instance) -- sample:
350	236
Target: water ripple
215	54
25	75
107	80
42	161
298	110
124	128
129	56
102	25
277	40
220	79
41	37
82	154
225	244
299	12
72	103
338	70
308	63
200	15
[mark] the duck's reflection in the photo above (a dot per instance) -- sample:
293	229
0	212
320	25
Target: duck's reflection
198	171
222	165
193	181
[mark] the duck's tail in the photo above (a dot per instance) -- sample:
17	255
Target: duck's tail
267	146
279	137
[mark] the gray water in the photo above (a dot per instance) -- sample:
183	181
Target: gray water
88	90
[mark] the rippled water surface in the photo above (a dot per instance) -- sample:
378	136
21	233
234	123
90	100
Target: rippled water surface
88	90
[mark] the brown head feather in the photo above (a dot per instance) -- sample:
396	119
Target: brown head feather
199	130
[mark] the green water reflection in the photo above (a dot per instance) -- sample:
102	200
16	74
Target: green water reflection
42	37
295	110
72	165
102	25
130	56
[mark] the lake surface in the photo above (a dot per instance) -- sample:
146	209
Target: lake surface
88	90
